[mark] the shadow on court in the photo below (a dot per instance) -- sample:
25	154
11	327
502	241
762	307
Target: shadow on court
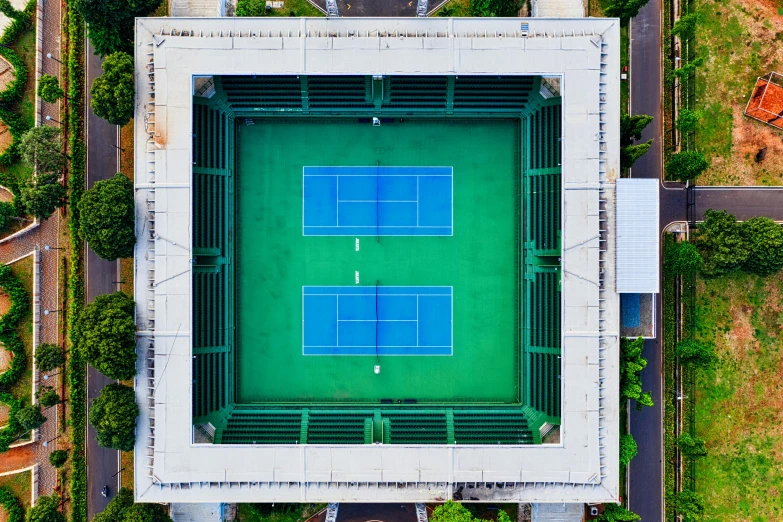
374	7
376	512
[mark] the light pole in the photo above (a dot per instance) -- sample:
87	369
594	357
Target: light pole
49	55
46	442
48	247
49	118
47	312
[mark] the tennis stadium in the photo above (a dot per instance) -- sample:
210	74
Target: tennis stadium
376	259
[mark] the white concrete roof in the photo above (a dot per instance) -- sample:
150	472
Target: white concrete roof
638	239
584	53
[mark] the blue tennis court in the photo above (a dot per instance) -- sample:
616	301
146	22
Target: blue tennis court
387	320
382	201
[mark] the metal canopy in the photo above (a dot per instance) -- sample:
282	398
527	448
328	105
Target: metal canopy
638	240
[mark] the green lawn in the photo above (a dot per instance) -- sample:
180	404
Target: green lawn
20	484
275	260
739	411
23	269
739	41
278	512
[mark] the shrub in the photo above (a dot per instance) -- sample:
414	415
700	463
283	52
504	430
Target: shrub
686	165
41	148
107	333
628	449
688	504
49	89
11	342
20	302
617	513
624	9
113	92
508	8
251	8
46	509
30	417
48	357
7	212
451	512
695	353
692	447
688	120
41	195
122	509
685	27
765	243
631	365
13	508
721	243
683	259
57	458
47	397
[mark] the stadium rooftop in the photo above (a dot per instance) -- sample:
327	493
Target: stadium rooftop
194	119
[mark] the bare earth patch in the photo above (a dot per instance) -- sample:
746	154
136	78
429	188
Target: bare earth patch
740	40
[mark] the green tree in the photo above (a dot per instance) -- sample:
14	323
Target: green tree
688	504
110	24
508	8
45	510
692	447
7	213
451	512
721	243
41	148
688	120
631	128
686	165
48	357
631	153
624	9
617	513
41	195
57	458
115	510
631	365
107	217
49	88
628	449
122	509
684	259
107	332
30	417
113	92
765	242
687	69
47	397
695	353
113	415
251	8
685	27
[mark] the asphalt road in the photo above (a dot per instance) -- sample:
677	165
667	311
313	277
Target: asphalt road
100	278
645	473
743	202
376	7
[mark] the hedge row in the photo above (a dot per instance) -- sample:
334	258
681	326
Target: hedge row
77	366
11	430
13	508
20	304
669	391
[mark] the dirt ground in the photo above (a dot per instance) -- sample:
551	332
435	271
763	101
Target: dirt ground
740	40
